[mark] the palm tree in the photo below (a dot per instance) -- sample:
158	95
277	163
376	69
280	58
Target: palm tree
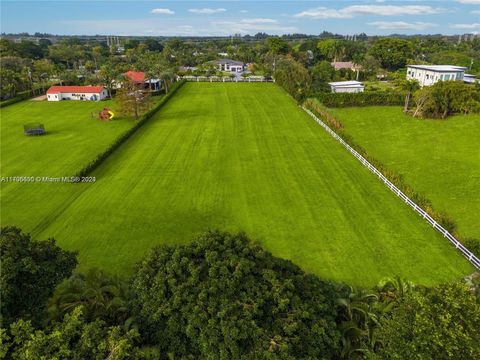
167	78
410	86
101	296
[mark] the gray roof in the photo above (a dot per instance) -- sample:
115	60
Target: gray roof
352	83
439	68
229	61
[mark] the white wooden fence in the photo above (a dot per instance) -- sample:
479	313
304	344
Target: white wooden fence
467	253
224	79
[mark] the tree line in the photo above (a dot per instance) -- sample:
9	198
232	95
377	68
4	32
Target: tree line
221	296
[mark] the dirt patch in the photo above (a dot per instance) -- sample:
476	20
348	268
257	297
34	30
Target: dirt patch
39	98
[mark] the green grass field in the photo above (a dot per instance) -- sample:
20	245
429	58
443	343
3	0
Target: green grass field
238	157
439	158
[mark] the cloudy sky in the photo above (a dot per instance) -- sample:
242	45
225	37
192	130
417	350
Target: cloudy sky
245	17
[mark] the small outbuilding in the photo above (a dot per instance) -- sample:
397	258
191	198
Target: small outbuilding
351	86
95	93
470	79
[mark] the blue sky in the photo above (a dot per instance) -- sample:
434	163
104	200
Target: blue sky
245	17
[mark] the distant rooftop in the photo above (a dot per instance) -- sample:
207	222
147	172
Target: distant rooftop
351	83
229	61
440	68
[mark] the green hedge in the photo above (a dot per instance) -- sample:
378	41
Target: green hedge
362	99
20	97
126	135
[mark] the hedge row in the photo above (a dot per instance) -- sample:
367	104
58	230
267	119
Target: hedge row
393	98
333	123
20	97
126	135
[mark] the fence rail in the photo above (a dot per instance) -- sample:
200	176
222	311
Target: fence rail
224	79
465	252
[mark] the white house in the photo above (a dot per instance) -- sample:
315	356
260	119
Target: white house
470	79
351	86
57	93
428	75
230	65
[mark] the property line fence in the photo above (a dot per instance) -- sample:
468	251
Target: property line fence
465	252
225	79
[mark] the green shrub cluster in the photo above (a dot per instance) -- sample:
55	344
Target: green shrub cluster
125	136
397	179
20	97
362	99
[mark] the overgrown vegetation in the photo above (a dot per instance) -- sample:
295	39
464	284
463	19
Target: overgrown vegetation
222	296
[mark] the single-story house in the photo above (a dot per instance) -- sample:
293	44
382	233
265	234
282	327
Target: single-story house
57	93
230	65
470	79
339	65
351	86
428	75
139	77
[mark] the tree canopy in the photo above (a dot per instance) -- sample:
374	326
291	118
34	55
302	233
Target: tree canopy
30	272
223	297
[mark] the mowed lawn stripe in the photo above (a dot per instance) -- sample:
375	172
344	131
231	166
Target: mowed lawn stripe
245	157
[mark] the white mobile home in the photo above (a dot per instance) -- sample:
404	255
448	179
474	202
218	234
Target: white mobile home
352	86
427	75
57	93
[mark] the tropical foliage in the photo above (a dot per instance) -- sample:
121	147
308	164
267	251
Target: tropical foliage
30	271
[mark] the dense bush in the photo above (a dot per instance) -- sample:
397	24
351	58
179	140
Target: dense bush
222	297
438	323
336	125
362	99
446	98
72	339
30	271
126	135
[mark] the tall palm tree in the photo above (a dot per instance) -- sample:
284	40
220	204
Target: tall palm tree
167	79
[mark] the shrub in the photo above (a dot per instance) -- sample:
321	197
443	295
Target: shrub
473	245
333	100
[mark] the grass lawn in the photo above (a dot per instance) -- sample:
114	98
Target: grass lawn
243	157
73	139
439	158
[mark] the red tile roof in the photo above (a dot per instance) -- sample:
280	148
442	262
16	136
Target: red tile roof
136	76
75	89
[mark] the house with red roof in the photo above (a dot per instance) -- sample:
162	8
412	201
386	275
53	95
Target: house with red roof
95	93
139	78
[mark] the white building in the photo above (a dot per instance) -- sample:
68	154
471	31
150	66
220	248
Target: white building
352	86
427	75
470	79
57	93
230	65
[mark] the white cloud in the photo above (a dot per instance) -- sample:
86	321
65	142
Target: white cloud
475	12
207	10
162	11
401	25
251	26
471	27
473	2
244	11
356	10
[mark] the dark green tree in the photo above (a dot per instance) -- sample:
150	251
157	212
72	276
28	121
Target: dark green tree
437	323
223	297
392	53
30	271
71	339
